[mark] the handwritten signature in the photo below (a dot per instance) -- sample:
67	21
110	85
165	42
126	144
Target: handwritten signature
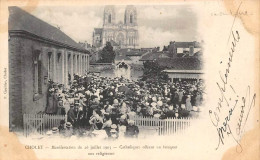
225	127
230	101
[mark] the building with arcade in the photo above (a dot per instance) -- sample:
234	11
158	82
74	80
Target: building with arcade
38	52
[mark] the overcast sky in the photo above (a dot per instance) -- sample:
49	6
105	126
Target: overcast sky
157	24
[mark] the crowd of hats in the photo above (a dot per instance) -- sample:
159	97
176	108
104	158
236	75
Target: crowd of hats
128	98
124	95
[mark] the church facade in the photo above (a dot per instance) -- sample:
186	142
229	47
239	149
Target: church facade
121	34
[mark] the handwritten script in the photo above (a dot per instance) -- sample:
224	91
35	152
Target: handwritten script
229	101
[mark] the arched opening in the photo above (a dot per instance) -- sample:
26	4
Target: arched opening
123	65
37	68
69	67
123	70
109	18
131	18
50	66
120	39
58	68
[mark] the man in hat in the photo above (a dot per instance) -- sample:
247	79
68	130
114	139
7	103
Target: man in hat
69	130
62	127
55	131
131	130
71	114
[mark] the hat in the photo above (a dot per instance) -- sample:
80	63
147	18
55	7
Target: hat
113	126
131	122
156	115
68	125
159	103
113	131
54	129
123	116
62	122
115	101
49	133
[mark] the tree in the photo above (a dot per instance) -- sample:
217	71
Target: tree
107	54
153	72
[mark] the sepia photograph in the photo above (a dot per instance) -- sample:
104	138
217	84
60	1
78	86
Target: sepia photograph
116	79
129	80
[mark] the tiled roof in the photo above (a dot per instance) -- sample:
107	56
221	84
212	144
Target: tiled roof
20	20
182	63
154	56
187	44
122	57
135	53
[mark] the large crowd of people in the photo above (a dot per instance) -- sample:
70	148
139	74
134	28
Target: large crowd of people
94	103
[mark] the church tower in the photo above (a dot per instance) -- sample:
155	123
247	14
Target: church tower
109	23
130	16
109	16
130	21
119	34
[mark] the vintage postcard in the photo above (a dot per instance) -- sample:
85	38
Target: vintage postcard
130	80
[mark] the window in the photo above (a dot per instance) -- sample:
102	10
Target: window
58	68
50	66
131	40
37	85
131	18
109	18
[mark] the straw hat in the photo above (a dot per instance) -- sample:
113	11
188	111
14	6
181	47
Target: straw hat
131	122
68	125
54	129
123	116
156	115
113	126
49	133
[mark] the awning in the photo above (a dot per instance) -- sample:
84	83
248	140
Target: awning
184	74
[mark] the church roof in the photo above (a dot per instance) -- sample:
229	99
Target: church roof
20	20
